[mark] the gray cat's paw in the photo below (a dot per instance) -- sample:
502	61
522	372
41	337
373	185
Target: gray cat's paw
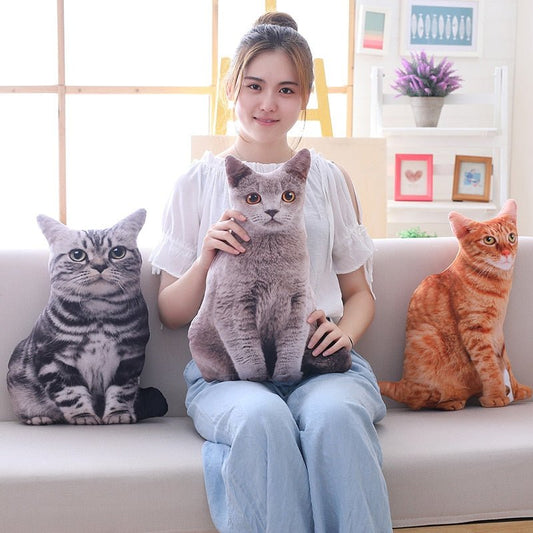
84	419
287	376
254	374
120	417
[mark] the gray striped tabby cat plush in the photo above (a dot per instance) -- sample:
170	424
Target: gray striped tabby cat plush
252	323
82	361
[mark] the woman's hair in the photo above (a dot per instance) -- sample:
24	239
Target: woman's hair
272	31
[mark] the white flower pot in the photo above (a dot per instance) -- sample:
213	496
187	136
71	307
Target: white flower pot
426	110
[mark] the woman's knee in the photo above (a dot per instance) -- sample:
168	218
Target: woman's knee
265	417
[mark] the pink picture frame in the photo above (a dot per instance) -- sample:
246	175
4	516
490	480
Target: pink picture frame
413	177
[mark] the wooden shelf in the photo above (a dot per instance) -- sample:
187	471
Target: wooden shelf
438	206
440	132
444	143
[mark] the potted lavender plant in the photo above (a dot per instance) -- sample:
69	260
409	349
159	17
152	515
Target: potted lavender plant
427	84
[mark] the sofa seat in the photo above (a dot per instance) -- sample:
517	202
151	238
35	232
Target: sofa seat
440	467
445	467
144	477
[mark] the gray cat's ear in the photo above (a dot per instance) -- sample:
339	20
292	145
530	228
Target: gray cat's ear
236	170
133	223
50	227
299	164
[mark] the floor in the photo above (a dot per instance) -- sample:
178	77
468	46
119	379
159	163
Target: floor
513	526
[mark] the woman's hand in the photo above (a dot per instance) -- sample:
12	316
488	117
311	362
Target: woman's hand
328	337
224	235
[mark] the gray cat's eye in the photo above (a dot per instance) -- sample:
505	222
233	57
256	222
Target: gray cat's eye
77	255
253	198
288	196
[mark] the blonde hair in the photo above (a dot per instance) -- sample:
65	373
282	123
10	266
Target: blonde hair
272	31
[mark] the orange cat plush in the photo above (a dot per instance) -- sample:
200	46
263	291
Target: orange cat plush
455	345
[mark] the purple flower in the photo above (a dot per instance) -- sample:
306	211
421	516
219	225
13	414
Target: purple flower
420	77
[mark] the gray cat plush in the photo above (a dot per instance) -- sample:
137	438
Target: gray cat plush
82	361
252	324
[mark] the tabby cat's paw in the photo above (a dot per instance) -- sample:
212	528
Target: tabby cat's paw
120	417
39	421
494	401
85	419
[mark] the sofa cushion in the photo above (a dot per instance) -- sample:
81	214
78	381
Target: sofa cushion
135	478
458	466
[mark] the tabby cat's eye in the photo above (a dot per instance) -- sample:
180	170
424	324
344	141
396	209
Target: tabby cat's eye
512	238
77	255
253	198
489	239
288	196
118	252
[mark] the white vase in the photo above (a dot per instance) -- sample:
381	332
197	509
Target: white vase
426	110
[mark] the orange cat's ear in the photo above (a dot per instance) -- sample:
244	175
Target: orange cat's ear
459	223
509	209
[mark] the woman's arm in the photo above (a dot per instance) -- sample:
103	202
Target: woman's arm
180	298
358	302
357	316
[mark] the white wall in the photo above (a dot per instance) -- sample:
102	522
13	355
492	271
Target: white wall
522	130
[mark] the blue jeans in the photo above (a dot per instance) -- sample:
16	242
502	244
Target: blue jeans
301	458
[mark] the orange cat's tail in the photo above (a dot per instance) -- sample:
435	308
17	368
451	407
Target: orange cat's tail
415	395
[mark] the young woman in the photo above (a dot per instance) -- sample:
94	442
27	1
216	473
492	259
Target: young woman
305	457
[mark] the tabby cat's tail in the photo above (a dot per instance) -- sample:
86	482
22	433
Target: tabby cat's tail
415	395
150	402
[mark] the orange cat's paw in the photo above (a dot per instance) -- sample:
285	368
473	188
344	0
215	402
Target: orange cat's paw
494	401
522	392
451	405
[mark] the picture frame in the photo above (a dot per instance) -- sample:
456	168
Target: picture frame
413	177
373	30
441	27
472	178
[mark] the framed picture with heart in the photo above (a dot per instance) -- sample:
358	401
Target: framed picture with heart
414	177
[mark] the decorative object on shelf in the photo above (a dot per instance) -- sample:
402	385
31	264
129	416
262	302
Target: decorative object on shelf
427	83
471	178
414	177
415	233
441	26
373	31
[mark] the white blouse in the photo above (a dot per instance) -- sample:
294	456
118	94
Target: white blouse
336	242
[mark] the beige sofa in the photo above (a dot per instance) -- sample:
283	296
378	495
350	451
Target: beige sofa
441	467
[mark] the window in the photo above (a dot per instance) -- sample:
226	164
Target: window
99	98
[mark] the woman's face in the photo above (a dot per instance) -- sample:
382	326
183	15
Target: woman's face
270	99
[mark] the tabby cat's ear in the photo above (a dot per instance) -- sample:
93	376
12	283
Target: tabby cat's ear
459	223
50	227
236	170
133	223
509	208
299	164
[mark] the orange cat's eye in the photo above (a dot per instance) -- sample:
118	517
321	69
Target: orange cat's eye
512	238
253	198
489	239
288	196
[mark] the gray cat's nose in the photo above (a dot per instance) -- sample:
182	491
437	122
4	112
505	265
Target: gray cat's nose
100	268
272	212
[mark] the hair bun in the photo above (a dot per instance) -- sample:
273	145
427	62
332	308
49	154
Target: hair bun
277	18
